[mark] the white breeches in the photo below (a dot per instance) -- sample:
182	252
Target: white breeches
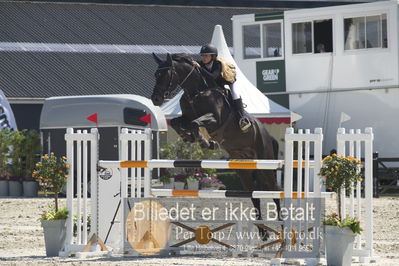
237	89
235	93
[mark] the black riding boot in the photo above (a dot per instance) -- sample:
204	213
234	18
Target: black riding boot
243	121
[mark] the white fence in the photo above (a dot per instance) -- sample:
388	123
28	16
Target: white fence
359	145
107	214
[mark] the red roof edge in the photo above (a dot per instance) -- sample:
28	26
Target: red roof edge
274	120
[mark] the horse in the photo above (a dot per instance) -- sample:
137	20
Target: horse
204	105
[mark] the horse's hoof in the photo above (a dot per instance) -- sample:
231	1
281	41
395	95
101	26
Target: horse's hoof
204	145
213	145
188	137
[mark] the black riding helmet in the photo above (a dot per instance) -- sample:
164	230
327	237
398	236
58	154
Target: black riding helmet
209	49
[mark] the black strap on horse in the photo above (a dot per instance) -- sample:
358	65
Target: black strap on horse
203	79
221	90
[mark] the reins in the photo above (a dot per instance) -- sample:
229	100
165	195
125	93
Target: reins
189	74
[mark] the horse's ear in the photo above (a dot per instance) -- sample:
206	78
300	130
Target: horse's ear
157	59
168	59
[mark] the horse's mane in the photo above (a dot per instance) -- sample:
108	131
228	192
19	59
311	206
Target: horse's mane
182	58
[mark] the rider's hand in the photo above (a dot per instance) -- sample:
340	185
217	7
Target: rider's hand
195	63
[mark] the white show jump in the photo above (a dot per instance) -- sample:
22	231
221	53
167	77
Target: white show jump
134	171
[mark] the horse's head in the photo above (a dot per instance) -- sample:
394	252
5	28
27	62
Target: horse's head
166	80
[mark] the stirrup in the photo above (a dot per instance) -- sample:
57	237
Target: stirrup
244	123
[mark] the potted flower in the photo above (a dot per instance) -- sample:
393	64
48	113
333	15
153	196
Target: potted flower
211	183
180	181
339	174
52	173
166	177
180	149
194	179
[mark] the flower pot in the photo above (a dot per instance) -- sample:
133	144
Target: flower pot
169	185
192	184
30	188
339	245
14	188
179	185
4	188
54	236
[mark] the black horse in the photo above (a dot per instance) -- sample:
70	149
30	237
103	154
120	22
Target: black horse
204	105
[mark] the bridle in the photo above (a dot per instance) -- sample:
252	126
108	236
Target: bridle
172	75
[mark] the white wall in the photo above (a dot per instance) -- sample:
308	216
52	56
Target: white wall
340	70
344	70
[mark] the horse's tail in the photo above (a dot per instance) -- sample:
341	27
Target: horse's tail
265	138
275	148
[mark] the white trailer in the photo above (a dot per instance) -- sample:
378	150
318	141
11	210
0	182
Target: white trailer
320	62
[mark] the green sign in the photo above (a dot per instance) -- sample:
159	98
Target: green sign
270	77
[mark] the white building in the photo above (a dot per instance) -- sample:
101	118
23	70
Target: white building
320	62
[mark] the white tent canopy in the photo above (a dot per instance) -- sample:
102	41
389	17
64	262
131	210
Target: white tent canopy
257	103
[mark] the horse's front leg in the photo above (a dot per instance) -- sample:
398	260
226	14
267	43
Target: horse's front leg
182	127
207	121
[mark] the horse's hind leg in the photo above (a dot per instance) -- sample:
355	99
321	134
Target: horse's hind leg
182	127
203	121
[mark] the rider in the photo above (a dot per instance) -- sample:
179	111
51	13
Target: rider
222	74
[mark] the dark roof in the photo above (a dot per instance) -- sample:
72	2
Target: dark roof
221	3
45	74
38	74
113	24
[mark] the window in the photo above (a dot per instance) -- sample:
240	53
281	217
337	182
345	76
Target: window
312	37
302	37
251	41
366	32
262	40
272	40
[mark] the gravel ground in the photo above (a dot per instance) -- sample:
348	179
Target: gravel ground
22	241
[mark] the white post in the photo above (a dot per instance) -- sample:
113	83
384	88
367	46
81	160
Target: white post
299	184
288	164
147	156
94	180
124	149
369	189
318	154
358	245
137	171
352	192
306	183
79	188
341	151
70	159
85	214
